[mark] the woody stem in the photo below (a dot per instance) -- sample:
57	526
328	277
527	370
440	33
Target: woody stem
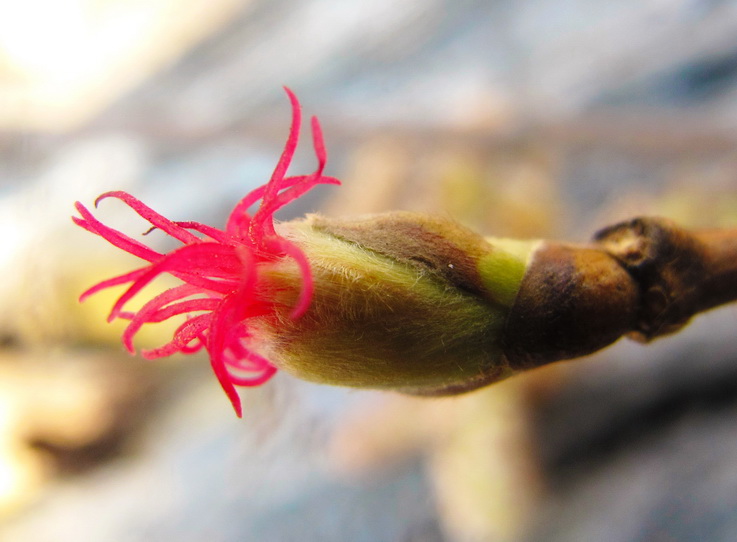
679	273
719	284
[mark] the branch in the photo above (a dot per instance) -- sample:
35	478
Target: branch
425	306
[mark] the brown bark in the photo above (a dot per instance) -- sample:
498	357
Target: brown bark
573	300
679	273
644	278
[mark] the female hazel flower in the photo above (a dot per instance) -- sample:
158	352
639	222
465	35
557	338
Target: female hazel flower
223	272
404	301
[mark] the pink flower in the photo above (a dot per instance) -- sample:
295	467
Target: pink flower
222	272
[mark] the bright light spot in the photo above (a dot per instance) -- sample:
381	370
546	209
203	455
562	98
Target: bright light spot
62	60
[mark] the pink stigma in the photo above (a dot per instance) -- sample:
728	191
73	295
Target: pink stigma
219	270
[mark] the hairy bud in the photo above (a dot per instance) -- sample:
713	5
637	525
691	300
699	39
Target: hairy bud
402	301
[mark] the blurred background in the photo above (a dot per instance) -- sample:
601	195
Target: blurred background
524	118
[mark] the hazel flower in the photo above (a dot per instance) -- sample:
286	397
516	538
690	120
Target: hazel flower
404	301
222	272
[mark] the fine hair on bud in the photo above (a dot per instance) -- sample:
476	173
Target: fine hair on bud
380	322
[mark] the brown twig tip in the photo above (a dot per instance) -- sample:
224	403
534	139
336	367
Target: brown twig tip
644	278
679	273
573	301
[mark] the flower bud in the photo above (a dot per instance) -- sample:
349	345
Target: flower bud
402	301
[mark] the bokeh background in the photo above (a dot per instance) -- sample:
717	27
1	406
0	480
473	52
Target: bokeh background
527	118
